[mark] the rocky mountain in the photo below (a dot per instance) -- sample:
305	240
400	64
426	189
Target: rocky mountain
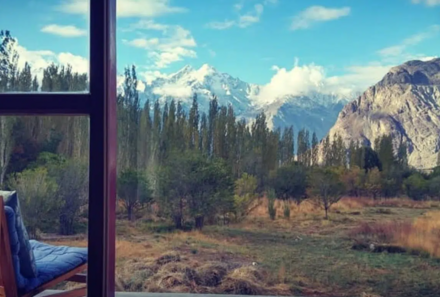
405	104
315	111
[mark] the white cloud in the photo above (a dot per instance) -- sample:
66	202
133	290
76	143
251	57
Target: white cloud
238	6
143	43
150	76
148	25
125	8
357	78
37	59
251	17
78	63
64	31
146	8
175	43
165	58
212	53
316	14
176	91
301	80
74	6
296	81
398	53
427	2
41	59
429	58
226	24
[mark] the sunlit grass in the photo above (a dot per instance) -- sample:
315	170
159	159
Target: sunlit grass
423	235
304	255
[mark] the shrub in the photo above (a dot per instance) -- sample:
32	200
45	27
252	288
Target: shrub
37	192
416	187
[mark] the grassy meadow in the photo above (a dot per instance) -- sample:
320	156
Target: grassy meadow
367	248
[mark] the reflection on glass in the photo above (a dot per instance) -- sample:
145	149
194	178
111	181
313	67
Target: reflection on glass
56	45
45	161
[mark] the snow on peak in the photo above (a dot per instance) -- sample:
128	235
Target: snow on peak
206	70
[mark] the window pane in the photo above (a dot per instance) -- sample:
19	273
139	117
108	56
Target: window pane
231	179
52	54
45	160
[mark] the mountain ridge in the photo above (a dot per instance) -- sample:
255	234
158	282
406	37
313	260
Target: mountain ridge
315	111
404	104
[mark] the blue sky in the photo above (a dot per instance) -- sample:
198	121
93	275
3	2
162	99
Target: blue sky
350	43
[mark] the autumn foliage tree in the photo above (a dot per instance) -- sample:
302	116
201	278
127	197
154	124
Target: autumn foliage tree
326	188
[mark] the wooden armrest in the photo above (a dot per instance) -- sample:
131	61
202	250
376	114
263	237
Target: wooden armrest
78	278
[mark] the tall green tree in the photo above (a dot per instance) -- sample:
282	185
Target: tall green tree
194	118
314	150
385	152
290	182
133	190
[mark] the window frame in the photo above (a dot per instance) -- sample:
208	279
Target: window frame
100	105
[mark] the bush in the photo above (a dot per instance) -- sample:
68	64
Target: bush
73	184
416	187
36	191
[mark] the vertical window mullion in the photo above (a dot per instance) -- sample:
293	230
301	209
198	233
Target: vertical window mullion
101	270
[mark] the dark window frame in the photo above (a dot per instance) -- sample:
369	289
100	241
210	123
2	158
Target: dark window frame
100	105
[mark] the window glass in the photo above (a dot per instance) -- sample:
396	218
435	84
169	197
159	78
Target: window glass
44	159
51	45
278	148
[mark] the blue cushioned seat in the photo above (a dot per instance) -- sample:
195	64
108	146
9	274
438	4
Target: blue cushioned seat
53	261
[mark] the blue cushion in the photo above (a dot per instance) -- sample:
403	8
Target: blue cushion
15	246
53	261
28	267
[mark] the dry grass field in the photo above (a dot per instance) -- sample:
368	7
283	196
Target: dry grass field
367	248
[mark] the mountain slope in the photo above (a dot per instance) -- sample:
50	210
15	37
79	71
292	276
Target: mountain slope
315	111
405	104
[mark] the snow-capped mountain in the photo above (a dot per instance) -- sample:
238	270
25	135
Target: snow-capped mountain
315	111
205	82
303	112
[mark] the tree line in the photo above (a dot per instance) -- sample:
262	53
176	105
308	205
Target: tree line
195	166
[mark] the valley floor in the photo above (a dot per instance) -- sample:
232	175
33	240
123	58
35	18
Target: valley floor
347	255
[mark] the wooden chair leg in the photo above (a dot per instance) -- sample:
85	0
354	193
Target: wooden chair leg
78	292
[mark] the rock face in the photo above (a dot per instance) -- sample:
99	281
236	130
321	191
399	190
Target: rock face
405	104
